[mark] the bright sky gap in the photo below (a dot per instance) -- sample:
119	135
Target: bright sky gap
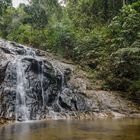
17	2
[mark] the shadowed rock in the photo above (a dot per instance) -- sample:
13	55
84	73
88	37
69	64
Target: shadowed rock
33	88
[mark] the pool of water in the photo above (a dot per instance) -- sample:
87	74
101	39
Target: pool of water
115	129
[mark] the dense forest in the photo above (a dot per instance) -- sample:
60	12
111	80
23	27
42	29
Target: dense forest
102	36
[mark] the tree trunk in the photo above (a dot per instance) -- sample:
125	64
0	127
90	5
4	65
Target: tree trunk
106	8
124	2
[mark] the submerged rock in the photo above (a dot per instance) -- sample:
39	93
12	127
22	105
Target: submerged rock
34	87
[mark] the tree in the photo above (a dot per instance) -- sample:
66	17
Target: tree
37	15
5	16
125	28
4	4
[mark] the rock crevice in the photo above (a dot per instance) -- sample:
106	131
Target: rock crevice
34	87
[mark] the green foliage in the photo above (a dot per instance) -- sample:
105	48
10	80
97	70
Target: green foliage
94	33
37	15
91	11
5	16
4	4
135	89
22	35
124	30
122	69
5	22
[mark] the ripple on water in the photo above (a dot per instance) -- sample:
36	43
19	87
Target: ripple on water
121	129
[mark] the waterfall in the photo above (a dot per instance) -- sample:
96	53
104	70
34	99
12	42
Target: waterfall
22	112
33	86
30	52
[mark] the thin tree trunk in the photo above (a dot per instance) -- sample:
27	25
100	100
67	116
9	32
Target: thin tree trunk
124	2
113	5
106	8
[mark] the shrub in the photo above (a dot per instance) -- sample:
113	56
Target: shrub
135	88
124	30
123	68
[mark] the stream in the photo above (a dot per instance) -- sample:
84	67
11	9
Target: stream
98	129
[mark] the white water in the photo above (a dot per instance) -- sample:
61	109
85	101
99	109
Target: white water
22	111
30	52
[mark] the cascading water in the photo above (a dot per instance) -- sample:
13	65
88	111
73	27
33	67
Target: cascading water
30	52
22	112
34	87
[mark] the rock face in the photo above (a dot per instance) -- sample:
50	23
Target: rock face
34	87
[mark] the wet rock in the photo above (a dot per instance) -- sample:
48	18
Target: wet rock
3	67
33	88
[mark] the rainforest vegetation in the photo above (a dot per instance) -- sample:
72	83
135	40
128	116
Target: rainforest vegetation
102	36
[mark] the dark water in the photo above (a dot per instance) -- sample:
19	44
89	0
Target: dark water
118	129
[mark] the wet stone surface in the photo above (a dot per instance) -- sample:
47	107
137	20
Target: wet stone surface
34	87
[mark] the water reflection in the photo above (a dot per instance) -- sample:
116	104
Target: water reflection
120	129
